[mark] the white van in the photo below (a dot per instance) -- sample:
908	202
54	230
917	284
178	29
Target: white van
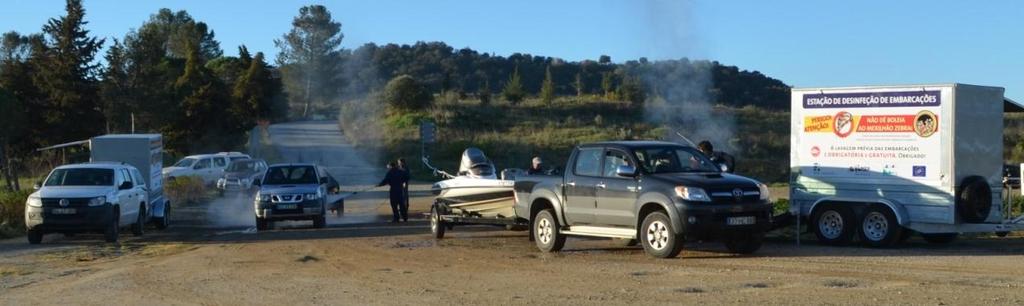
879	163
208	167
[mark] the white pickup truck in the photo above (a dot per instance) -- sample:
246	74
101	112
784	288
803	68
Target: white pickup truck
208	167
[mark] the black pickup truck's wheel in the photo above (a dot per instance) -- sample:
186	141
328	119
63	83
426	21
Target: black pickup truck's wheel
35	236
744	242
658	237
437	225
879	228
545	232
833	224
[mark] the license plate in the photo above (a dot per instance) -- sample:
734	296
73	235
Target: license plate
286	206
63	211
748	220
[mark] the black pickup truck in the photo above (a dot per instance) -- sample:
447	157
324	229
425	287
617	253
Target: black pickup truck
655	193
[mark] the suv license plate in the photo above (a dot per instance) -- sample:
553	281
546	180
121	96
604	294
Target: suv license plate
286	206
63	211
748	220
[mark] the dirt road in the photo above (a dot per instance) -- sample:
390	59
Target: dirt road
360	260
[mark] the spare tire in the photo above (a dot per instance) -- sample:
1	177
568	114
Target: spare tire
974	200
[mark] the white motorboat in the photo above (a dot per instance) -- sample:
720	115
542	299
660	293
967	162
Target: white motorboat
476	190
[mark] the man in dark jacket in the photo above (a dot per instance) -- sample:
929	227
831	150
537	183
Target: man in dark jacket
537	167
395	181
720	158
406	176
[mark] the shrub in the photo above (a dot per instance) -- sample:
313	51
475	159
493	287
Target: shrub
405	93
12	212
185	189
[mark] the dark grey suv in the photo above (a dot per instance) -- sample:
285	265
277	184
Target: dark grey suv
291	192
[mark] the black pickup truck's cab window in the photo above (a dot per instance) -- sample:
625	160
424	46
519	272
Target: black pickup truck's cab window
673	160
612	160
588	162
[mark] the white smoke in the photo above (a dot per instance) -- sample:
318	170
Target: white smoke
682	97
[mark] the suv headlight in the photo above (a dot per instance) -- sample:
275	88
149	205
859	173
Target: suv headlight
692	194
763	189
263	197
312	196
34	202
97	201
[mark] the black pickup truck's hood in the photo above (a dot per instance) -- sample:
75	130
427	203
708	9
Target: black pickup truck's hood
707	180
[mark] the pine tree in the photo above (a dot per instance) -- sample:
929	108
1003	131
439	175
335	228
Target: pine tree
66	74
309	58
513	91
547	88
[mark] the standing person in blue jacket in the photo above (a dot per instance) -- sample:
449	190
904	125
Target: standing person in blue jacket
396	182
406	176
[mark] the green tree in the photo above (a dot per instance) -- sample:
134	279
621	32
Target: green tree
202	99
513	91
257	94
18	55
579	85
115	91
632	90
405	93
485	92
604	59
547	88
66	75
308	58
608	85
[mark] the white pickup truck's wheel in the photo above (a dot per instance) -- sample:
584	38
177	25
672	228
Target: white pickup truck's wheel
879	227
545	232
658	237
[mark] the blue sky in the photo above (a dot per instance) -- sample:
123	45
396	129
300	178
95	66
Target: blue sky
804	43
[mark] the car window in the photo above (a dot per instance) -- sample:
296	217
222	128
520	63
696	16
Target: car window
137	177
127	176
187	162
220	162
80	177
234	158
203	164
588	162
612	160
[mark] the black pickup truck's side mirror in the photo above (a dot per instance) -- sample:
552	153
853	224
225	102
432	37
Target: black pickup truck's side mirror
626	171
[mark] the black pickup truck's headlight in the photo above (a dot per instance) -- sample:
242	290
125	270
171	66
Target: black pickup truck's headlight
692	194
765	193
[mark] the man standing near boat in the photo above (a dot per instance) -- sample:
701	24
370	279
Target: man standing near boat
395	181
406	176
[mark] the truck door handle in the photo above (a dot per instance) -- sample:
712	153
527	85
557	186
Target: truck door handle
601	185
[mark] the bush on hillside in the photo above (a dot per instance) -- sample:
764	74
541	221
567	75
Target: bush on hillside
12	212
406	93
185	189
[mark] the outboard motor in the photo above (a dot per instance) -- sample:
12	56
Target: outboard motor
475	164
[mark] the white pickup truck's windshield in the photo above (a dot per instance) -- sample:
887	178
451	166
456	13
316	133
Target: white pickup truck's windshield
80	177
674	160
296	175
244	165
185	163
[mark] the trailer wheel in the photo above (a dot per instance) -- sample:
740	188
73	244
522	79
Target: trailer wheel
545	231
833	224
943	238
879	228
163	222
437	225
974	200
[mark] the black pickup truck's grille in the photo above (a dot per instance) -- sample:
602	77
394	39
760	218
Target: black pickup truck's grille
72	202
727	196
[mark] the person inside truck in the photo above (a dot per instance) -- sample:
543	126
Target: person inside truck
537	167
719	158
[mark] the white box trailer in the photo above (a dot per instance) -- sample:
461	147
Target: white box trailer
145	152
878	161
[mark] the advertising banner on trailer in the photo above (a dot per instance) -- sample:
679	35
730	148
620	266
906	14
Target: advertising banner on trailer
877	134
